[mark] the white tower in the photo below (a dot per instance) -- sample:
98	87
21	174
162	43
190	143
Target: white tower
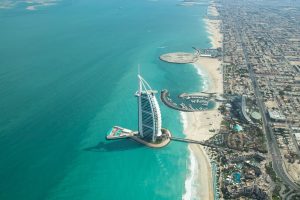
148	111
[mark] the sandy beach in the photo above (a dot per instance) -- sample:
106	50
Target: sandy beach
203	125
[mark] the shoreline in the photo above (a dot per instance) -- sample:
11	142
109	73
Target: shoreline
204	125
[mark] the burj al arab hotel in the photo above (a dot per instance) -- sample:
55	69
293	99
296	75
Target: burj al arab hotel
149	116
149	132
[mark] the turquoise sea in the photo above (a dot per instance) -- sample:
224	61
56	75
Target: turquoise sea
68	73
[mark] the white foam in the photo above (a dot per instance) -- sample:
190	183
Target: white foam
204	77
191	182
162	47
7	4
183	119
191	185
30	8
191	179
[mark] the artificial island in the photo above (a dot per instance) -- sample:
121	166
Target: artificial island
150	131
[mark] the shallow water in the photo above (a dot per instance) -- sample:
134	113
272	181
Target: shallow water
67	74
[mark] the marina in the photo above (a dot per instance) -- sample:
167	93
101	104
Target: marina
186	103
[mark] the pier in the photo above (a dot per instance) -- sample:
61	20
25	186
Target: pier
211	53
203	143
198	95
189	141
209	96
186	140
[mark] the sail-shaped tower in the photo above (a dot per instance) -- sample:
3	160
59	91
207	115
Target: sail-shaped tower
150	132
149	116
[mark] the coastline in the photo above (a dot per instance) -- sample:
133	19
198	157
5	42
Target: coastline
203	125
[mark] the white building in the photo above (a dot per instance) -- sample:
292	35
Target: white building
149	115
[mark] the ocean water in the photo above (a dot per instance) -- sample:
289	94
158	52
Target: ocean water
68	73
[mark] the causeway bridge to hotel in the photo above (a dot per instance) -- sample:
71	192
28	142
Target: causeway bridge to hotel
121	133
190	141
203	143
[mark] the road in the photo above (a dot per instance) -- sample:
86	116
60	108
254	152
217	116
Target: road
277	161
289	125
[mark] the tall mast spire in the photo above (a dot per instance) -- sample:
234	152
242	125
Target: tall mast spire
140	103
140	81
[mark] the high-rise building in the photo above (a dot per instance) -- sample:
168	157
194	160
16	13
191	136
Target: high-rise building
149	115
